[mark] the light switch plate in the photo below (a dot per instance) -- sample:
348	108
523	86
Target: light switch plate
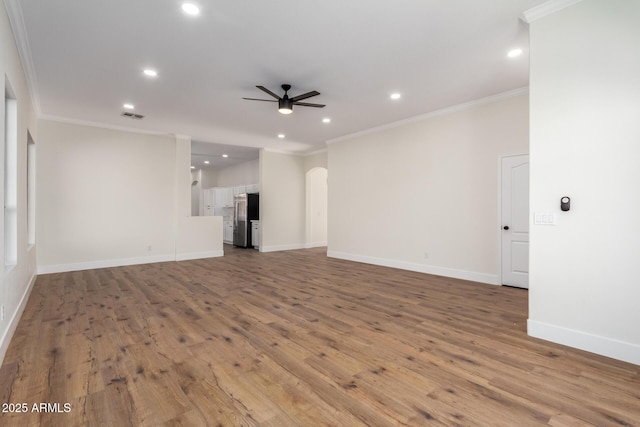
544	218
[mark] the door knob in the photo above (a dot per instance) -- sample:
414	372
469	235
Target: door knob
506	227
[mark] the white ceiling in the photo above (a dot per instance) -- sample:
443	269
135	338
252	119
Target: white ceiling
85	59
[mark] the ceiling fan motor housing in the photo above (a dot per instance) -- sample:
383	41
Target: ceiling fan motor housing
285	103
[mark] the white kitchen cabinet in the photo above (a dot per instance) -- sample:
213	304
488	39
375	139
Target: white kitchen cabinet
217	197
241	189
224	197
227	236
208	201
255	234
228	197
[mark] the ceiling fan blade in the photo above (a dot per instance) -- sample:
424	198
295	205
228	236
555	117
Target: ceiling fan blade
264	89
305	96
306	104
256	99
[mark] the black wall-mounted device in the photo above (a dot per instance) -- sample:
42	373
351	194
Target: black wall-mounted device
565	203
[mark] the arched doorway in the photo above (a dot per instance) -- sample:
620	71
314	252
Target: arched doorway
316	195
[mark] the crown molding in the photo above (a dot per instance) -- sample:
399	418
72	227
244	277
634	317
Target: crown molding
311	153
442	112
106	126
277	151
546	8
16	20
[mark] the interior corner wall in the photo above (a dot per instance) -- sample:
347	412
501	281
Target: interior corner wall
18	279
316	160
423	195
585	144
209	178
282	201
104	197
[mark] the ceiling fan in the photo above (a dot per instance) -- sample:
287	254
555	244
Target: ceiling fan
285	104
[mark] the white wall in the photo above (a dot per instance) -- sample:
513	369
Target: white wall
585	144
423	195
16	281
316	160
317	189
103	195
282	201
209	177
241	174
108	197
196	192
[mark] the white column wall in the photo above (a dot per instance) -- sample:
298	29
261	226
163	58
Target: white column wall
585	144
282	201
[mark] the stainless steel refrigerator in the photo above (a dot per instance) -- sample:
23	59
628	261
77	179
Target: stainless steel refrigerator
246	208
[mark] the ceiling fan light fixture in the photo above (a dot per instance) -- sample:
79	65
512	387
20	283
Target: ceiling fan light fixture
514	53
190	9
285	106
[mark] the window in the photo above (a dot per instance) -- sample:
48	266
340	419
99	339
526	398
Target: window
10	176
31	190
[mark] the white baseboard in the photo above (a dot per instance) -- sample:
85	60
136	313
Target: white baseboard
278	248
199	255
61	268
15	318
315	245
491	279
625	351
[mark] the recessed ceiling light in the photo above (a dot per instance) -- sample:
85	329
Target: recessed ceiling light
128	106
206	162
225	155
150	73
193	167
326	120
281	135
514	53
395	96
190	9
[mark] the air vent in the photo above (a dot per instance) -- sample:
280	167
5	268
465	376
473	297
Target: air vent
132	115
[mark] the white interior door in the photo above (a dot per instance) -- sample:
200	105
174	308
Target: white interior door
515	221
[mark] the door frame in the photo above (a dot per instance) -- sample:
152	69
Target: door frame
499	224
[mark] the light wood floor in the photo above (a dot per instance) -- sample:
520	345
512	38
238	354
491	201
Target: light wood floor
297	339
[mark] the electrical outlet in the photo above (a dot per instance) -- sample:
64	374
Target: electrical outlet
426	255
2	312
149	248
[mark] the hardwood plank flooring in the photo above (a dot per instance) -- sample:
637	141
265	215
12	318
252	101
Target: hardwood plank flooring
296	339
